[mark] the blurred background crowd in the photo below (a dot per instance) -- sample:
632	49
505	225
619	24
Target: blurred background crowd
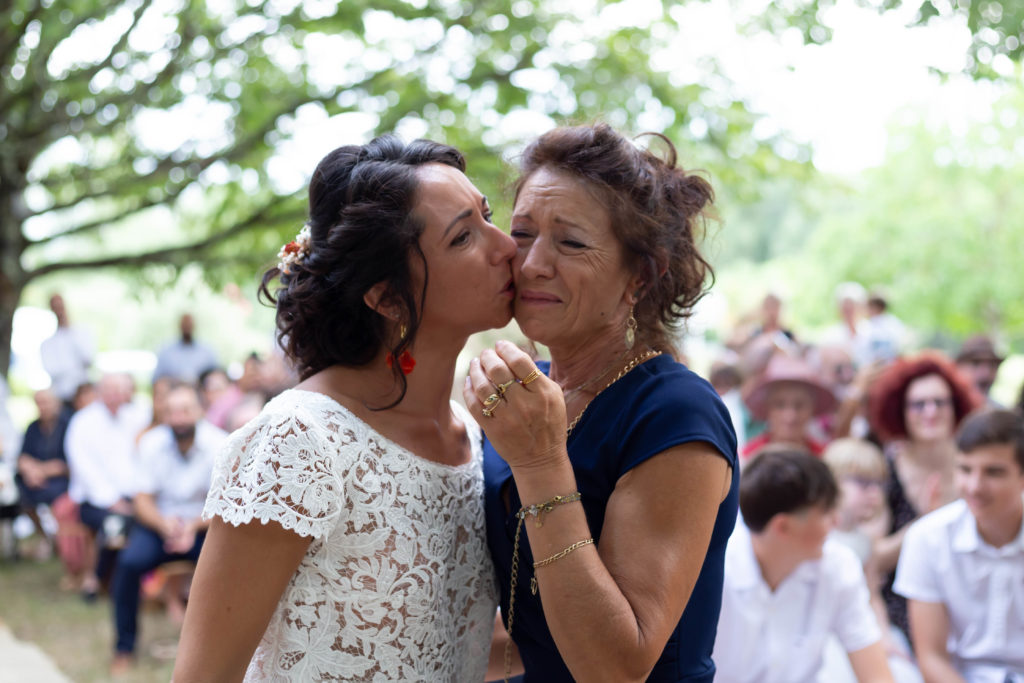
110	472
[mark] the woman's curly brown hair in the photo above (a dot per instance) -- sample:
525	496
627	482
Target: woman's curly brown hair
657	212
887	396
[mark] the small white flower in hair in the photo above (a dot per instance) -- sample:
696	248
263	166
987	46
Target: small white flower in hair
296	250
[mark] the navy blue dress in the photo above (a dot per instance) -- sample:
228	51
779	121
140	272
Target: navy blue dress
44	446
658	405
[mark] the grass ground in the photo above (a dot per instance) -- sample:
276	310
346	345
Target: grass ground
78	636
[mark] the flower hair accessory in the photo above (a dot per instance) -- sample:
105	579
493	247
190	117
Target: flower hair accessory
296	250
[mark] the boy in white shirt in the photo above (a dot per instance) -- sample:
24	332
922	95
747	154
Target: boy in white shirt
961	567
787	589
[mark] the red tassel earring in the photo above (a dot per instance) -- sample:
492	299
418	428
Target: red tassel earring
405	360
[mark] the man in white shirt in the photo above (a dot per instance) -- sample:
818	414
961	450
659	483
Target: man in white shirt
851	331
67	354
787	589
961	567
174	472
185	358
100	447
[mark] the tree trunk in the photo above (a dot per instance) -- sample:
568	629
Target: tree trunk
10	294
12	245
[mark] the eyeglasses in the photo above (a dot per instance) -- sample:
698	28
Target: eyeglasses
919	405
864	482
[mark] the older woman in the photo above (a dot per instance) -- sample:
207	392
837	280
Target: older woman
915	406
608	529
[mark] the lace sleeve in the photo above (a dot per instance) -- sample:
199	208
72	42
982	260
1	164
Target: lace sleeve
278	468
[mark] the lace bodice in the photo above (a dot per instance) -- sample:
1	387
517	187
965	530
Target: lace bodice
397	583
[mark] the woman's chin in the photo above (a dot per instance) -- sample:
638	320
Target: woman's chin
533	329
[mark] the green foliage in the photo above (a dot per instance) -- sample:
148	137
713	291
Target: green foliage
939	226
145	134
996	26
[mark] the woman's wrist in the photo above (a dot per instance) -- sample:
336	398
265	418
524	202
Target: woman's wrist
544	478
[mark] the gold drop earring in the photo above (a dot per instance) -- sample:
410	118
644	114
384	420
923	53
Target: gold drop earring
630	329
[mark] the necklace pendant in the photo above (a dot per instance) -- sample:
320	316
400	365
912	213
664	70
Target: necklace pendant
533	585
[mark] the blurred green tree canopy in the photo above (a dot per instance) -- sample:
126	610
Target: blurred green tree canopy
148	135
144	132
939	227
996	26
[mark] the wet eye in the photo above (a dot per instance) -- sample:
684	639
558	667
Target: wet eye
460	239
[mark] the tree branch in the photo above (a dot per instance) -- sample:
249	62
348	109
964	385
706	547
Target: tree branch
166	255
7	47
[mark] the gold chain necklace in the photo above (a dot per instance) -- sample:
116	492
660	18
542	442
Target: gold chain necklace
629	366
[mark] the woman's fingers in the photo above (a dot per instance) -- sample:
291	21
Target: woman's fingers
519	363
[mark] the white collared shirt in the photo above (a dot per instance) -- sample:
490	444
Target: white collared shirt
944	560
101	453
779	637
179	483
66	358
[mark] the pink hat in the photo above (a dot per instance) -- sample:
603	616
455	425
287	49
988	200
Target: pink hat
785	369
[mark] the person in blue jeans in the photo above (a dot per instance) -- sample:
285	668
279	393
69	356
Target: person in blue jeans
175	469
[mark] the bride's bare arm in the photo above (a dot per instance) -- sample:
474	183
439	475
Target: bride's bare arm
241	575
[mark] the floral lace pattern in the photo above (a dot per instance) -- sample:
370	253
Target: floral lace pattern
397	583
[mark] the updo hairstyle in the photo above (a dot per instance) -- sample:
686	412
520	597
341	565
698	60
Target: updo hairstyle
363	231
657	212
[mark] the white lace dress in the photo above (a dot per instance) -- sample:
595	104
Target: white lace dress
397	584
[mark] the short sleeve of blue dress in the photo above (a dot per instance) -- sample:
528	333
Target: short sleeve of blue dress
658	405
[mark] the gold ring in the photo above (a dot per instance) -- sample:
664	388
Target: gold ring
489	412
503	387
491	400
534	374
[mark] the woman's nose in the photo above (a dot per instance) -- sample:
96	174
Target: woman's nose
535	260
505	246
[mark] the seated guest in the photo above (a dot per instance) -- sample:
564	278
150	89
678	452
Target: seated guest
100	445
978	360
860	471
787	397
174	472
42	465
961	567
787	589
220	395
862	518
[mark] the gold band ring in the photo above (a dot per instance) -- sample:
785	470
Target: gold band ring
503	387
491	400
489	412
534	374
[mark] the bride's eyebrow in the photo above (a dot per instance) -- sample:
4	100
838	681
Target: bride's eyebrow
465	214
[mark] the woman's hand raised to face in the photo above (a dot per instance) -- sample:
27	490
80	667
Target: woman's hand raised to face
520	409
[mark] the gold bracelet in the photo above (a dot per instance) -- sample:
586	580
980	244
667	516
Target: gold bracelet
557	556
562	553
539	509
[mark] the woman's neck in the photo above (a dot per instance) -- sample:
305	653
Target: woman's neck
581	368
428	389
933	454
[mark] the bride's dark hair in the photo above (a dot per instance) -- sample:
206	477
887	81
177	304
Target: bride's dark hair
363	232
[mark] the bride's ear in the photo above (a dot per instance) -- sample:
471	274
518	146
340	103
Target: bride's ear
376	298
